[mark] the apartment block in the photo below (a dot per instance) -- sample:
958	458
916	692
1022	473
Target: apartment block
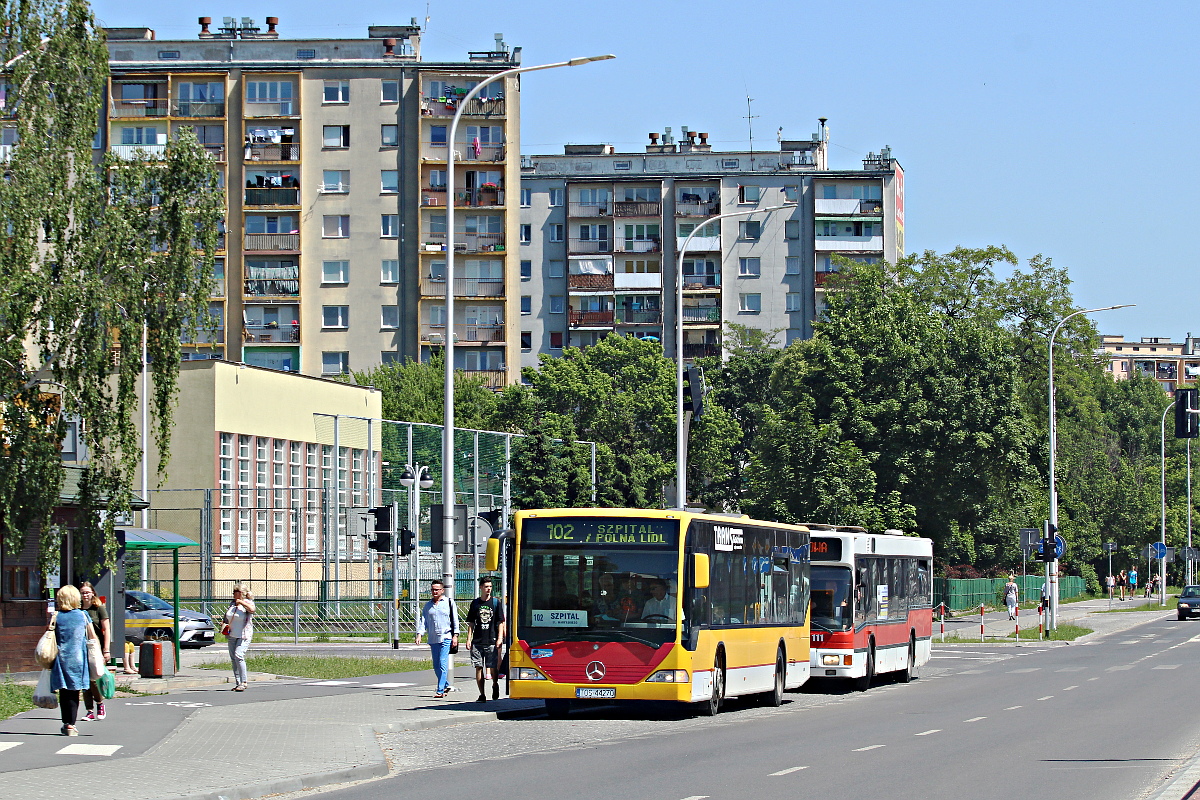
602	231
1170	363
333	152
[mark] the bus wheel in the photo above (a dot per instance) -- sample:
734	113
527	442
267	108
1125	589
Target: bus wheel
713	706
775	698
864	683
910	670
557	708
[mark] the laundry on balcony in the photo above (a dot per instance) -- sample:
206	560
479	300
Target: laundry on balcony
276	280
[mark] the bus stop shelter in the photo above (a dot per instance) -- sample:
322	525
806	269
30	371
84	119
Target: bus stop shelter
154	539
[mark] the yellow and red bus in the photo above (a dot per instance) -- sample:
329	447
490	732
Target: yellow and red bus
636	604
872	603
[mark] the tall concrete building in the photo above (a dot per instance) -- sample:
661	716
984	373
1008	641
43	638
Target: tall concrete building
601	231
334	155
1173	364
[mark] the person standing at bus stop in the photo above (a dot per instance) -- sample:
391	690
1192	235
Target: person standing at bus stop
439	618
485	637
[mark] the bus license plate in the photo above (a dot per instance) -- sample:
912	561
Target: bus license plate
590	693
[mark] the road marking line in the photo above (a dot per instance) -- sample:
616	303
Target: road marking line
1026	669
1167	666
1047	697
697	797
1071	669
387	685
89	750
974	719
788	771
926	733
1012	708
331	683
1069	688
1122	666
868	747
1093	679
9	745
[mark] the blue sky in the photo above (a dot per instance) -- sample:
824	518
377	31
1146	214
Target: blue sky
1060	128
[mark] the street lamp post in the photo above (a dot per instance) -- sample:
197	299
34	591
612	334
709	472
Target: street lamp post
414	478
680	434
1052	566
1162	461
1189	516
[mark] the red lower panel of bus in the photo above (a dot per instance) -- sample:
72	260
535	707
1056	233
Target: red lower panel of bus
888	633
574	662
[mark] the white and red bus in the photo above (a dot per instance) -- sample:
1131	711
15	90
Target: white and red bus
872	603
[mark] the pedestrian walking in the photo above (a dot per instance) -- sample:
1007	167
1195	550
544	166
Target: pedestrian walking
1122	582
1011	591
439	618
485	637
1133	578
69	675
239	630
93	697
1110	583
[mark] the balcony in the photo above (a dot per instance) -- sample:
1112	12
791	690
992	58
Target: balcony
6	151
138	152
847	206
825	244
204	336
638	245
637	208
601	282
492	378
639	280
475	107
198	108
215	151
463	287
820	278
590	209
271	334
627	317
465	151
708	315
701	244
138	108
285	108
695	209
479	198
284	242
592	319
701	350
591	245
288	151
480	334
274	196
464	242
701	283
272	281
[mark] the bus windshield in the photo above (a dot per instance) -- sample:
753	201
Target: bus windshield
618	594
831	608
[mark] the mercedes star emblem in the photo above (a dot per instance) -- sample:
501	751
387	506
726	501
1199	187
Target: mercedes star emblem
595	670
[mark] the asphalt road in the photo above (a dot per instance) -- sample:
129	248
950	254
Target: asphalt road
1086	721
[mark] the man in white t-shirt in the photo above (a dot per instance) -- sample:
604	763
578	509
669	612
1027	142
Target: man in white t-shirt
661	604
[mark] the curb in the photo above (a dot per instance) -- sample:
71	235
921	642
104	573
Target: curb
1183	785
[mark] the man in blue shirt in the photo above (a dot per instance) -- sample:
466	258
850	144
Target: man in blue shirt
440	618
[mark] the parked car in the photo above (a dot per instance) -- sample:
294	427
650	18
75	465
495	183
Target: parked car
1187	602
151	618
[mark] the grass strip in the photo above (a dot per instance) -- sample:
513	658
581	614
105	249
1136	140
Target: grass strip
326	667
1064	633
14	698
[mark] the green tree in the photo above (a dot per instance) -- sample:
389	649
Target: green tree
95	259
414	391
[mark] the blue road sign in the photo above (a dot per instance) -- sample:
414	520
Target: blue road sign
1160	549
1060	546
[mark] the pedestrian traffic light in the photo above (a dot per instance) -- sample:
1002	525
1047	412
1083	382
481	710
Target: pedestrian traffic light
383	518
1187	420
408	541
382	543
1049	545
693	391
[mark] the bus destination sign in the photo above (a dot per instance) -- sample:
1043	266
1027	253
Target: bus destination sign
601	531
826	549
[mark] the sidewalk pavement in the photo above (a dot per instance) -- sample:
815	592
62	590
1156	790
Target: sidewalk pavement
1087	613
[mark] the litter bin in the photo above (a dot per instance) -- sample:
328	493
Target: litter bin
156	660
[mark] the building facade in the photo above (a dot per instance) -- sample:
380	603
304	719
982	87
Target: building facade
601	233
1170	363
333	152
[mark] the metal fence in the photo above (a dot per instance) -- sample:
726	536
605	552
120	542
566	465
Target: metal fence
967	593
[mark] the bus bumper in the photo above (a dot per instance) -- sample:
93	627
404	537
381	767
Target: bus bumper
834	664
547	690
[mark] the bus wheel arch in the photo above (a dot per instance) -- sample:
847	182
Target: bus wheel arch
863	683
712	706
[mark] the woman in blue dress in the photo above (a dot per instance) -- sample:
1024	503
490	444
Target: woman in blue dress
70	675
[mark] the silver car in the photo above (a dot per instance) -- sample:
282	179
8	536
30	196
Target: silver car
151	618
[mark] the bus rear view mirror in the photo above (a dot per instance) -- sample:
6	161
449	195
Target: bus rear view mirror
491	560
700	570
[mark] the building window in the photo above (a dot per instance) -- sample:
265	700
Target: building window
791	194
556	304
269	92
622	165
335	181
389	271
730	163
526	198
389	317
526	340
793	302
749	267
335	272
389	181
526	304
335	317
334	226
335	136
749	194
555	269
750	303
389	92
335	363
437	135
337	92
526	269
389	357
389	135
556	197
389	225
750	229
526	234
556	232
791	229
792	266
556	340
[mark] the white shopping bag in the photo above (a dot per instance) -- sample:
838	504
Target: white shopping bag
42	696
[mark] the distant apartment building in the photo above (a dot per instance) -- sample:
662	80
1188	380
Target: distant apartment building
334	155
601	231
1170	363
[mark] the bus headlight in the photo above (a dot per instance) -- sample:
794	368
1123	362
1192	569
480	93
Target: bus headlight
669	676
830	660
528	674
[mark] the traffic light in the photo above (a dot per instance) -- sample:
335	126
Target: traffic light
493	517
1049	546
382	543
408	541
383	518
1187	421
693	391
